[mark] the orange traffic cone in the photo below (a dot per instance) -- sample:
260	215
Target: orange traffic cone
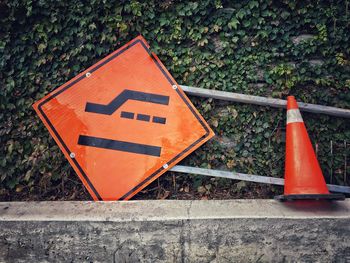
303	175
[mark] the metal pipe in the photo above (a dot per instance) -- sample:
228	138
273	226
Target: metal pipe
263	101
246	177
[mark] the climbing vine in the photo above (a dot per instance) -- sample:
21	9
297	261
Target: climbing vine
266	48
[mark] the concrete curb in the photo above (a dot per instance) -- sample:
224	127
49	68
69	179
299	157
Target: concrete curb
175	231
155	210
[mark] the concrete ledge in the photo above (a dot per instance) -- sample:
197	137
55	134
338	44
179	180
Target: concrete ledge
175	231
168	210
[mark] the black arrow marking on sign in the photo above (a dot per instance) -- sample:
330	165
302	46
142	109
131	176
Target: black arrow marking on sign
119	145
111	107
123	97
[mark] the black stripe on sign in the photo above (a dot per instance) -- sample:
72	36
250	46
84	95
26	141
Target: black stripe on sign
143	117
160	120
119	145
127	115
123	97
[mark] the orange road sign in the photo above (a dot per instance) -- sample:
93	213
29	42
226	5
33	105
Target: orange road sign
123	122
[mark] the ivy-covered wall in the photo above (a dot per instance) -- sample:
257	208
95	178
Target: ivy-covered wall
267	48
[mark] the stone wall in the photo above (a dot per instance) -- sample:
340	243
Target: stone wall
175	231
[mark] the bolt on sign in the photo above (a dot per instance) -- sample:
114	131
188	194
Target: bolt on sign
123	122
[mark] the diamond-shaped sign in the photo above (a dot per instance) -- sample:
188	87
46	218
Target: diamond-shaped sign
123	122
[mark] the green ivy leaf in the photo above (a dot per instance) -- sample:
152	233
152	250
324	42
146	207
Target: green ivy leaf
233	23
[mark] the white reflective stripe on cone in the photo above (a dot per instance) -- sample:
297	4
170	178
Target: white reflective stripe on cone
294	116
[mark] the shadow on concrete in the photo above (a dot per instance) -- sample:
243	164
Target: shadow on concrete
316	206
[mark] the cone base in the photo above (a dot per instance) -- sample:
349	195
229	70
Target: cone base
283	198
